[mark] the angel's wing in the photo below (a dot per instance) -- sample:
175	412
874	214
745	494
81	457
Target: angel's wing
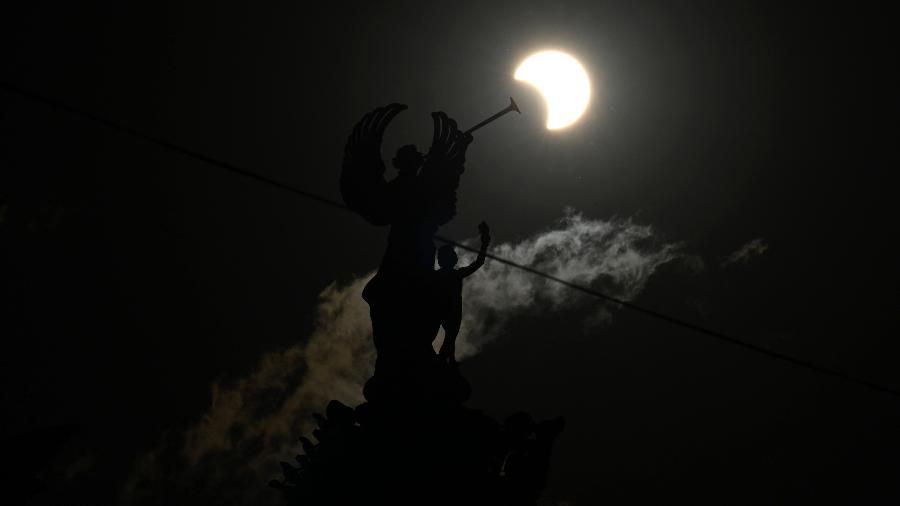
363	186
439	177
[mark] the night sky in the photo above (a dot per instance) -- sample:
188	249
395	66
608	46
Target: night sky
134	278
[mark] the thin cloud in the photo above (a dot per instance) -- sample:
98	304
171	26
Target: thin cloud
746	253
616	256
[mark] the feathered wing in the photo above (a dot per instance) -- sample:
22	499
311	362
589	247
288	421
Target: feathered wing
439	177
363	186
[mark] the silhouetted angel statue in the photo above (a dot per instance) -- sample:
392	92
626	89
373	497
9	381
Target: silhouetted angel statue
413	441
429	194
419	200
448	290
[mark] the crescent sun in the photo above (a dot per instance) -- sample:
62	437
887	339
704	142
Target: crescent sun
562	81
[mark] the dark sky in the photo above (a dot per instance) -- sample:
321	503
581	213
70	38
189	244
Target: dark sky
133	277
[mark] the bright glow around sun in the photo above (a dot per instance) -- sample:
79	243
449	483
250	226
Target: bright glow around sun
562	81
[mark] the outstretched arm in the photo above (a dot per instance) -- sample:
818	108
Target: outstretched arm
485	241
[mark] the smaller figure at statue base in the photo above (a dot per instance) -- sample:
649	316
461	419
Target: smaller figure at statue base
448	290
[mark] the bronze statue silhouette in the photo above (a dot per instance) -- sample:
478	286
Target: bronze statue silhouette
422	197
414	442
448	288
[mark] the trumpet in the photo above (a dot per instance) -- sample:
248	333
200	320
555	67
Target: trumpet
510	108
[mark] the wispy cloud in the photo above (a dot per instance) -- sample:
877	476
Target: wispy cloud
253	423
756	247
615	256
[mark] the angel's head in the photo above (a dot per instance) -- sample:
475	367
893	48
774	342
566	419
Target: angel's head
408	159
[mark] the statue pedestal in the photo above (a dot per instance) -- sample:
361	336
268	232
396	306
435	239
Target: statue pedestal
414	442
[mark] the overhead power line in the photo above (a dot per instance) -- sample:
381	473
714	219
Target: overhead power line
333	203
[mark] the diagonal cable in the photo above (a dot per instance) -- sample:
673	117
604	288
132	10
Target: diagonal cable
335	204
